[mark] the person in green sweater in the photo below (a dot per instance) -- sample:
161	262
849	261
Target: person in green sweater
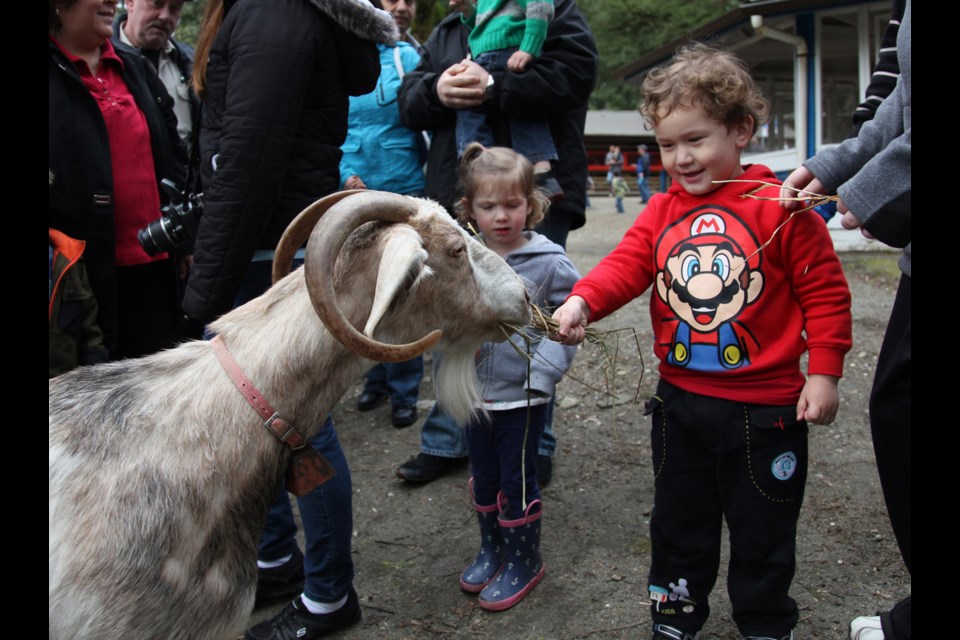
508	35
620	188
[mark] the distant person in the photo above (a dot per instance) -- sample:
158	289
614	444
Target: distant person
502	202
620	188
404	12
556	85
643	172
733	316
872	175
613	159
148	27
380	153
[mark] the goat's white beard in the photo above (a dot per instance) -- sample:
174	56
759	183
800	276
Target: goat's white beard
456	385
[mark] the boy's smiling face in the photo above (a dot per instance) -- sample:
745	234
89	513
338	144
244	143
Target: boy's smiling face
695	149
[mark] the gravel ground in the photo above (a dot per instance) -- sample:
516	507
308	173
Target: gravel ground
411	542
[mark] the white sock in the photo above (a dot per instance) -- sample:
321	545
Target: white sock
322	607
270	564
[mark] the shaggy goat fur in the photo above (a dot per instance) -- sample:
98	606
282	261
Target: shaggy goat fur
161	474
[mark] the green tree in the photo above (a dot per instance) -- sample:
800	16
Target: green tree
626	29
190	18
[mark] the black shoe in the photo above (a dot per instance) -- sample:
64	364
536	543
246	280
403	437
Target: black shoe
424	467
371	400
404	415
666	632
278	584
544	470
545	180
295	622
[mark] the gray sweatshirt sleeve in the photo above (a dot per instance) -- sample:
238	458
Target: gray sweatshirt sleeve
551	360
872	172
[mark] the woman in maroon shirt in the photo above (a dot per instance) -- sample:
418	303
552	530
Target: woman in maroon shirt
110	144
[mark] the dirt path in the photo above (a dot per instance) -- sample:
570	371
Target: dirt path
411	542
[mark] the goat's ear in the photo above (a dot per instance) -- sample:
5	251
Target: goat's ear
401	261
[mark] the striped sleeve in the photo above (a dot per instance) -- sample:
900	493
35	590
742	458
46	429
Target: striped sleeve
886	71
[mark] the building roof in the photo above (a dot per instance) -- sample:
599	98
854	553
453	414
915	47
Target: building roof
604	122
739	17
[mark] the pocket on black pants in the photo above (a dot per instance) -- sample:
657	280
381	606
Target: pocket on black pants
776	451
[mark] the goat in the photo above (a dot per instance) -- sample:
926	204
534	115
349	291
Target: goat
161	474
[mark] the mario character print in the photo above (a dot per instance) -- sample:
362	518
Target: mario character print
708	273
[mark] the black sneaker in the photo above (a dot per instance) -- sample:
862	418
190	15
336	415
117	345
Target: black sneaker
666	632
279	584
424	467
544	470
371	400
295	622
545	180
404	415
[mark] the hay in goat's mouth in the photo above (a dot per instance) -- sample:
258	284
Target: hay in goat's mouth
606	343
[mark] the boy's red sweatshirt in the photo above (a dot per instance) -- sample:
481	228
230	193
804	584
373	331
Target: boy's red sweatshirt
731	314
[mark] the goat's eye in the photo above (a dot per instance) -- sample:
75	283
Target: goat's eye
458	249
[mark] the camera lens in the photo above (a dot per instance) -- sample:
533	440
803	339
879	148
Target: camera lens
157	236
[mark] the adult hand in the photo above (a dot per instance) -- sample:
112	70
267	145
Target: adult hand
519	60
572	317
819	400
850	221
462	85
798	184
354	182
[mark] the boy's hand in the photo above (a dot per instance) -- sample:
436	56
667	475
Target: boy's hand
572	317
819	400
519	61
802	179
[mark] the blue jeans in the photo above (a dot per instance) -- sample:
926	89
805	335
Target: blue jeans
644	189
530	138
495	443
441	436
401	380
327	516
619	201
556	226
326	512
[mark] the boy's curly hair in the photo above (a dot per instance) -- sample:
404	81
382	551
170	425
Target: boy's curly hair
507	168
705	76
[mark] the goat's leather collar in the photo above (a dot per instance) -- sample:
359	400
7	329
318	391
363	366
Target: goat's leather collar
306	469
273	421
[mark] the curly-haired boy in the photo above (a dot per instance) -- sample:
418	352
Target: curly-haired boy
742	290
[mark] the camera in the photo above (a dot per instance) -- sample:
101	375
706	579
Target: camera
177	224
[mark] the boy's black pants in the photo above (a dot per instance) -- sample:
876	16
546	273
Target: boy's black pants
715	459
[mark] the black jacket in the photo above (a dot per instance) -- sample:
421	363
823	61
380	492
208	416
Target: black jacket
81	196
279	77
556	85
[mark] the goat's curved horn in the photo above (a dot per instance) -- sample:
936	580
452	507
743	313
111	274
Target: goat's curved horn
299	230
325	243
